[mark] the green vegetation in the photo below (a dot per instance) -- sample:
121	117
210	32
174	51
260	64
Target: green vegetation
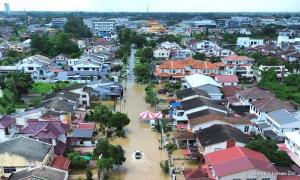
172	87
76	27
12	57
170	147
45	88
164	165
143	69
77	162
170	38
288	89
107	118
108	155
151	96
60	43
200	36
88	174
229	38
270	150
199	56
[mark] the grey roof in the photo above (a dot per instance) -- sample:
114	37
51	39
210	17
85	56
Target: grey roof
282	117
82	133
198	102
191	92
44	172
219	133
26	147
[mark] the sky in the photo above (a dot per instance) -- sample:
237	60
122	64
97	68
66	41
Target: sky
156	5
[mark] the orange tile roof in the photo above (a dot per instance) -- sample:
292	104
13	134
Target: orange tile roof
181	64
236	58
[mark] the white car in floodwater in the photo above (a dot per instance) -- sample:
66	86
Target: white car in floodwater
138	154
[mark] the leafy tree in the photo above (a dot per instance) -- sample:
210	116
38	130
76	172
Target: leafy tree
170	38
108	155
170	147
19	83
58	44
268	77
200	36
164	165
199	56
270	150
100	114
118	120
88	174
105	164
77	162
229	38
76	27
151	97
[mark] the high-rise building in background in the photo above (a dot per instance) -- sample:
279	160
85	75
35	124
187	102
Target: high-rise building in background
6	8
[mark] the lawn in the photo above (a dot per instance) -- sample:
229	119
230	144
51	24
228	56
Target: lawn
43	88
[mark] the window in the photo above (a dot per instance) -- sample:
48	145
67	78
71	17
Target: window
6	131
236	179
246	129
251	178
265	178
9	169
81	141
83	96
30	68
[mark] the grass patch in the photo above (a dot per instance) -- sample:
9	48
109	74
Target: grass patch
43	88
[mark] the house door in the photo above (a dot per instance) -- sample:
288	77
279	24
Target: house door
230	143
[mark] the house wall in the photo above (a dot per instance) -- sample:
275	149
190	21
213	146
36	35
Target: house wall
220	146
258	174
19	162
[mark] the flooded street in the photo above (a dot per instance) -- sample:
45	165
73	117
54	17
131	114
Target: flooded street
139	137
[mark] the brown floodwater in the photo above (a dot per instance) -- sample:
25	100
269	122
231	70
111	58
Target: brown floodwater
139	136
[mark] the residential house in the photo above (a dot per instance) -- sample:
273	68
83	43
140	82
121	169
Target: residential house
178	69
238	65
161	53
261	107
61	59
292	145
21	152
43	74
281	71
85	66
239	163
227	80
190	93
82	137
43	172
218	137
60	162
52	132
105	89
198	104
23	117
204	83
281	121
8	128
184	138
243	42
206	118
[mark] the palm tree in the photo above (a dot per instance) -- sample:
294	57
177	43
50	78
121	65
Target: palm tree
104	165
19	83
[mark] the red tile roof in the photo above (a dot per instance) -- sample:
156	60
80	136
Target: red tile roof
230	90
238	159
86	125
237	58
181	64
226	78
61	162
195	174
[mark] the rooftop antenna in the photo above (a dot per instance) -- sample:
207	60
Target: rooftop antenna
147	8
